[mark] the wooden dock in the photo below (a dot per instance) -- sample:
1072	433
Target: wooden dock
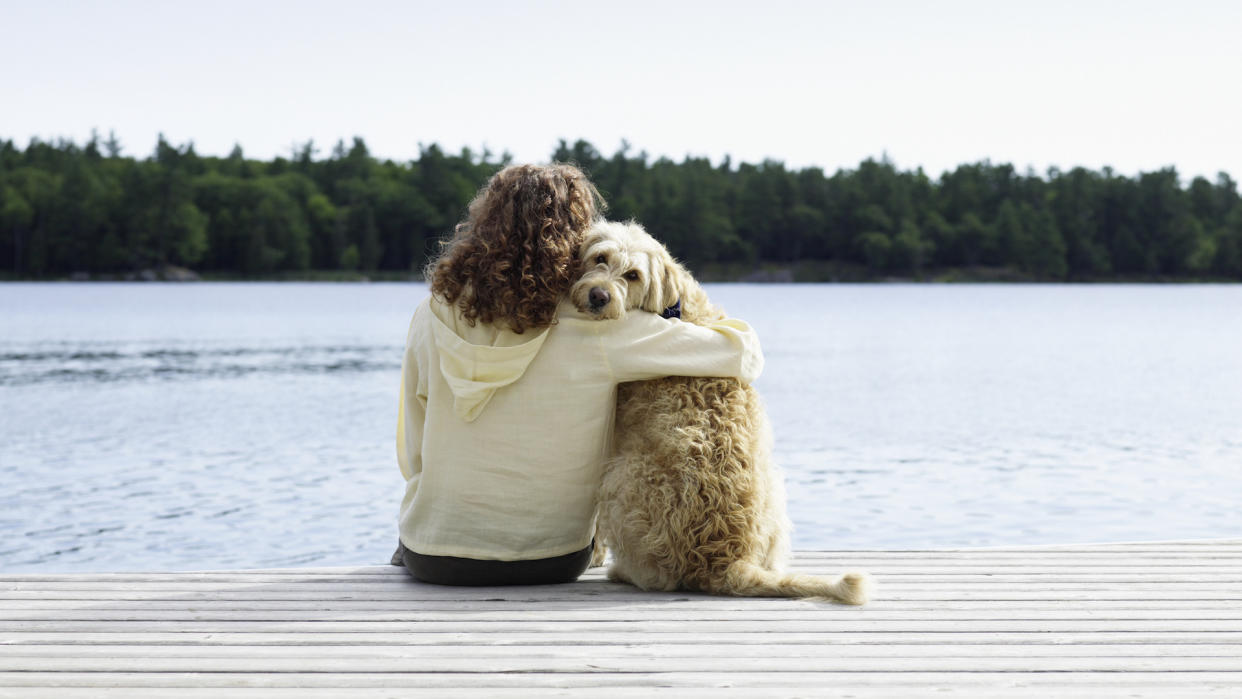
1151	619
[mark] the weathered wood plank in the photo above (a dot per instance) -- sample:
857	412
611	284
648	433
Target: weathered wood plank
909	681
670	601
1206	549
1055	577
912	566
1041	689
998	581
614	615
1016	594
995	579
648	650
621	636
651	626
930	594
556	664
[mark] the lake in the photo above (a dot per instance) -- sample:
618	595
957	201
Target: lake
177	427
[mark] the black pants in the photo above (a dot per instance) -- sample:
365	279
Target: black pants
450	570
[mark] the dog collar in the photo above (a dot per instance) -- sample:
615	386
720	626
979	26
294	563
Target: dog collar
673	311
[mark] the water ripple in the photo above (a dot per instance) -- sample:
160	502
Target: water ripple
76	365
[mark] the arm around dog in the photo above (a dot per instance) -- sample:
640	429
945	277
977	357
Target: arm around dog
645	346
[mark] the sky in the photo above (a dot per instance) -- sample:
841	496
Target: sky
1133	85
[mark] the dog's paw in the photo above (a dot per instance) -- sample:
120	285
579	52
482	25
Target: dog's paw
598	554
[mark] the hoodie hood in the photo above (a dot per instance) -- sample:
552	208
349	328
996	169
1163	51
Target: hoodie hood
477	367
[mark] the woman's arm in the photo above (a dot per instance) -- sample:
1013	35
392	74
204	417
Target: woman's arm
411	412
645	346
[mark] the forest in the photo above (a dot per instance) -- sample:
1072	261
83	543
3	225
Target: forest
91	211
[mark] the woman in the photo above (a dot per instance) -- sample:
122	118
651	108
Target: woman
507	391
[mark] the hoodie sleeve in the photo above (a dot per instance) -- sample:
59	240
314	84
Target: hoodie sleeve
411	412
645	346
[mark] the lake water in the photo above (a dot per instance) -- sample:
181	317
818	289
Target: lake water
159	426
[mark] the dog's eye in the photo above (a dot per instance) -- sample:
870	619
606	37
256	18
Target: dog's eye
601	259
632	275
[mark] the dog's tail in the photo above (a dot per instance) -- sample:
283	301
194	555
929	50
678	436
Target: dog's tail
745	579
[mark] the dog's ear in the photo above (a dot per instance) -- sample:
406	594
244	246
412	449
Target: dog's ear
664	288
590	239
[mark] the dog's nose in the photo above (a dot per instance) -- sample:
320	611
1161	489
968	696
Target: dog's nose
598	297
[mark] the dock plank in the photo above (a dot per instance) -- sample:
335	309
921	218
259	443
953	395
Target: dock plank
1133	619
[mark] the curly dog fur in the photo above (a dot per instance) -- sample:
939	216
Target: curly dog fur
690	498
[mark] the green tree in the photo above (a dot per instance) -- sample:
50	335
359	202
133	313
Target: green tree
1012	242
978	242
350	258
910	249
875	247
1227	260
1041	249
188	229
16	218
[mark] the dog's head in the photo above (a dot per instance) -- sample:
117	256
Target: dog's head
624	268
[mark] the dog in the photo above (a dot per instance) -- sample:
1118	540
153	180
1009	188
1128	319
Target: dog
690	497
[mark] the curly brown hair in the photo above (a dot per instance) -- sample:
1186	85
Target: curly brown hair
516	254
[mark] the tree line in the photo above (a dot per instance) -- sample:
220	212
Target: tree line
68	208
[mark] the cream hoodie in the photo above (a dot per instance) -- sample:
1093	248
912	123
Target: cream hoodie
501	437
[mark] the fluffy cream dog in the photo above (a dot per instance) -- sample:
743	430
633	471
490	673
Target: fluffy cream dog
690	498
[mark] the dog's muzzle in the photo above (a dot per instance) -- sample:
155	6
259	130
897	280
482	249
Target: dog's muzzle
598	298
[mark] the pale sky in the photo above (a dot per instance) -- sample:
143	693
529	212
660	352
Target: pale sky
1135	85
